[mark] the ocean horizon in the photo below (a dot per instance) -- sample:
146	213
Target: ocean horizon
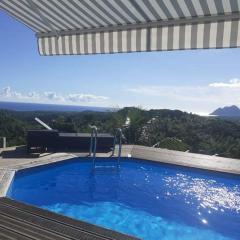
31	107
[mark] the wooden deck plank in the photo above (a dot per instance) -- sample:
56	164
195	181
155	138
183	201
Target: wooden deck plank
49	226
35	223
79	225
6	234
32	231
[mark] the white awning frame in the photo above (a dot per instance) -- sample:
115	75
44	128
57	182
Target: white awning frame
117	26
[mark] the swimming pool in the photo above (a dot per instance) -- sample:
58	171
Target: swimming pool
144	199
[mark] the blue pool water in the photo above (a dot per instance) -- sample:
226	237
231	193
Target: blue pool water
144	199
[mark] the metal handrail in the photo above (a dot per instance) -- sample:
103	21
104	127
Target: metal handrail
118	134
93	144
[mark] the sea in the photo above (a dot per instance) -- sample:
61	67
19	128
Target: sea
31	107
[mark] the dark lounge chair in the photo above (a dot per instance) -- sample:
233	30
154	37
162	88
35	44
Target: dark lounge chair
42	140
81	141
52	140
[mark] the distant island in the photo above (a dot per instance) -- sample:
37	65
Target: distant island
228	111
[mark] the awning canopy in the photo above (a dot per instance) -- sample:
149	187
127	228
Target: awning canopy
116	26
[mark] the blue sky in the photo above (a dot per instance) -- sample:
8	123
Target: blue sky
194	81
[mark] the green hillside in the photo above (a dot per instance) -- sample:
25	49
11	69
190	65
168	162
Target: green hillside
163	128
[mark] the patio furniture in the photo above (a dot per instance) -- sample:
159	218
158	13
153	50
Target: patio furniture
81	142
43	140
53	140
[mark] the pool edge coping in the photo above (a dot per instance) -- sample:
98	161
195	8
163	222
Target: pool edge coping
191	160
185	159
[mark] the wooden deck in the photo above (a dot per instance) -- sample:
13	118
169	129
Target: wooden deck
19	221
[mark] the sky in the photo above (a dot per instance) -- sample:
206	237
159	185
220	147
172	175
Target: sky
197	81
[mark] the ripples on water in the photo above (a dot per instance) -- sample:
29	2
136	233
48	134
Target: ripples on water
209	193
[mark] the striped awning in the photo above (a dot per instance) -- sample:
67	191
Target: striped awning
65	27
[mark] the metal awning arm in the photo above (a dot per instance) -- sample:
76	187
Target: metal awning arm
35	8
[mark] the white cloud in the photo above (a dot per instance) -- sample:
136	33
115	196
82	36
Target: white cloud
174	92
33	95
211	93
189	98
232	83
78	97
6	92
53	96
17	95
50	97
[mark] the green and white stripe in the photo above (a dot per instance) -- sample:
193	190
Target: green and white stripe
117	26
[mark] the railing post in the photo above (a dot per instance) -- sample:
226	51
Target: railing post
114	145
118	134
93	144
4	142
120	146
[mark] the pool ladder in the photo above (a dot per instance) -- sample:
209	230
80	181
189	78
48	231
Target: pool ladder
118	135
93	145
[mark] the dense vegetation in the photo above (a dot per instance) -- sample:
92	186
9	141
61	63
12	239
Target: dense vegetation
163	128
